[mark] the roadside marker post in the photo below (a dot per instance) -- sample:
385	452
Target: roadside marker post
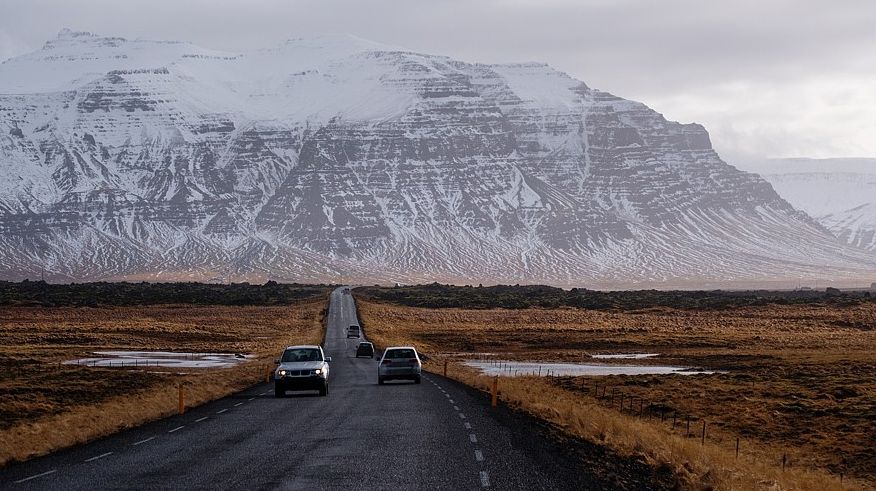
445	368
495	390
182	404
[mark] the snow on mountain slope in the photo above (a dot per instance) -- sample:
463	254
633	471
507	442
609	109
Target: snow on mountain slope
839	193
338	159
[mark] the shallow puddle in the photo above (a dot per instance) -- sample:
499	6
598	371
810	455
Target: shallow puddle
516	368
159	359
626	356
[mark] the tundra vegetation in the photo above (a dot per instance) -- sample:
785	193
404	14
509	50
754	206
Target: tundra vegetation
798	374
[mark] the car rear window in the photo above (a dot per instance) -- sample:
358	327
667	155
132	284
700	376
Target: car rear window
401	353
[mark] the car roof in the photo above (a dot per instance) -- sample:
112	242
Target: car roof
303	346
365	342
401	347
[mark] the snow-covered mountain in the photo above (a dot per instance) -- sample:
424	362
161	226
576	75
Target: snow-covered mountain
838	193
339	159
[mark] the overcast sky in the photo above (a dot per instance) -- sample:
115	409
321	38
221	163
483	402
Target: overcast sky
771	78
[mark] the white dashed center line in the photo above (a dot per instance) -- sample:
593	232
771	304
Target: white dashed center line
201	419
222	411
143	441
479	456
456	408
251	399
239	403
473	438
98	457
36	476
461	416
485	479
467	425
176	429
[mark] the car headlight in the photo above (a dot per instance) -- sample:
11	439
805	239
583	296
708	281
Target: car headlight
281	373
317	371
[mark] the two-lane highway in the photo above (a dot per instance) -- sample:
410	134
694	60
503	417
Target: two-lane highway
361	436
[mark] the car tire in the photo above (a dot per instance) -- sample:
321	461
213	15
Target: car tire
279	391
323	391
379	380
417	379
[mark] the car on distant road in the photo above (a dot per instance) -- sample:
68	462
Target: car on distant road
302	368
354	332
399	362
365	349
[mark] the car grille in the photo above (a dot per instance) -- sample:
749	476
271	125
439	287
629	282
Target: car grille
296	373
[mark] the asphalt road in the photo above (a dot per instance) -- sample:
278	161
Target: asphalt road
436	435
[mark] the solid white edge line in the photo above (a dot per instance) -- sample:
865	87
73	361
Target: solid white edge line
201	419
485	479
98	457
479	456
36	476
176	429
143	441
472	437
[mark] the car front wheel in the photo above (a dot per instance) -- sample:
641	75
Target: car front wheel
380	380
417	379
279	392
323	391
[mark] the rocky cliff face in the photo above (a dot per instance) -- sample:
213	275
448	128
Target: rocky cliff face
337	159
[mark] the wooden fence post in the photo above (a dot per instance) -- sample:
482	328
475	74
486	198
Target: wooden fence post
445	368
704	433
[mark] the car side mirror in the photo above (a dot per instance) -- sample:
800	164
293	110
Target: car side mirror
328	359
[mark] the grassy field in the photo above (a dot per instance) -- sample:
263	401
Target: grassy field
44	406
800	381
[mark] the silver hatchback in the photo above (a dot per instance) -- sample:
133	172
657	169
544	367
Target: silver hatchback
399	363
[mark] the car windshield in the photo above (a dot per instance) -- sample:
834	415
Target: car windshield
364	345
301	354
401	353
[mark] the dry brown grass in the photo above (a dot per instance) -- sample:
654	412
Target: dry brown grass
45	407
802	381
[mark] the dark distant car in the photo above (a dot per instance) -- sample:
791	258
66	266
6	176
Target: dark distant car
365	349
399	362
354	332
